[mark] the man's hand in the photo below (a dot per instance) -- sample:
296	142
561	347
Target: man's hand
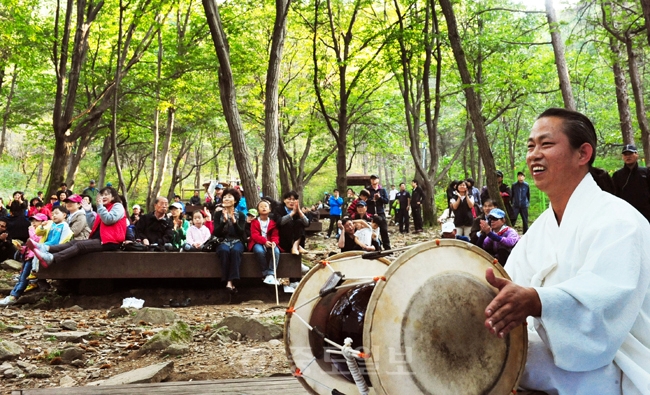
512	305
4	236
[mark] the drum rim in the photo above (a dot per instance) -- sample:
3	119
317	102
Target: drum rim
518	334
296	295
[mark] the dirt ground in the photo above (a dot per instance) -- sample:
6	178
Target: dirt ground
113	346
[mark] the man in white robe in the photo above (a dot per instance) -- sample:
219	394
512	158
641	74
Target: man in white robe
581	274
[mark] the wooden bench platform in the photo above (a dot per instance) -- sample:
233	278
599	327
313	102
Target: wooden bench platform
260	386
120	265
314	227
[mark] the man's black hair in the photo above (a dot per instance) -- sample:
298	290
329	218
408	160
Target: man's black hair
577	127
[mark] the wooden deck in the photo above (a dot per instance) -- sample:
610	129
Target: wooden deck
260	386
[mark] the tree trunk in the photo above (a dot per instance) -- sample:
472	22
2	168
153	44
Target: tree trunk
118	72
156	127
645	5
82	147
560	61
622	98
472	103
162	167
637	89
271	108
7	112
105	157
227	93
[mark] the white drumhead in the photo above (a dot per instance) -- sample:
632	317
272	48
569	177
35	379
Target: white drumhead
425	330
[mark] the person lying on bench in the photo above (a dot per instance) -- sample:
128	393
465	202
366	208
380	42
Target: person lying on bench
108	232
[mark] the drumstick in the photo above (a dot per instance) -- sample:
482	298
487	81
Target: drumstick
379	254
275	275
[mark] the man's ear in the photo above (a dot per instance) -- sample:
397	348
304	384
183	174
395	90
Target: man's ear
586	151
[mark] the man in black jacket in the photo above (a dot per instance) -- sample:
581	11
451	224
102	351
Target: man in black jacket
631	181
156	228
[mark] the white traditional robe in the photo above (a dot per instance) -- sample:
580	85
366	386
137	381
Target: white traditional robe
592	274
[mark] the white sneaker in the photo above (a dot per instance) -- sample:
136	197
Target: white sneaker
271	280
7	301
304	268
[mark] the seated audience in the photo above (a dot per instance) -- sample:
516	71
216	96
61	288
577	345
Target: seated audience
135	214
64	188
7	248
107	234
177	199
180	225
499	238
475	233
264	242
198	233
229	225
17	223
361	211
39	208
54	232
196	199
291	222
77	218
448	231
50	205
156	229
348	241
3	209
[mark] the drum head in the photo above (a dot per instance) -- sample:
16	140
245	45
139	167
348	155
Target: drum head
318	376
425	329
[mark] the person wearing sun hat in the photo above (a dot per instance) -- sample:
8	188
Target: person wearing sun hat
631	182
497	238
77	217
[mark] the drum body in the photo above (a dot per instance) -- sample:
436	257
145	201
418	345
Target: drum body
423	326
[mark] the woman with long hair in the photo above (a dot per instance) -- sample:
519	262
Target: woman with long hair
229	225
461	204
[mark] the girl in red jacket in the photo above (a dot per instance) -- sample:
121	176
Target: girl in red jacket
264	241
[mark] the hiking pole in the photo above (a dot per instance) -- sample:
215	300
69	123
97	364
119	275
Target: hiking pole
275	274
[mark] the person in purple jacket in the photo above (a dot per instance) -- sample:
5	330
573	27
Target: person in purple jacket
497	238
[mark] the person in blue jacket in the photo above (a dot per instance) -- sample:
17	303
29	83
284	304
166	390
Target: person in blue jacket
336	207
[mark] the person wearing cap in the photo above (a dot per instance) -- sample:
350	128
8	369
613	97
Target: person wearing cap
180	225
50	205
520	200
632	182
177	199
91	191
580	275
250	216
156	229
361	211
378	199
77	218
497	238
364	196
448	231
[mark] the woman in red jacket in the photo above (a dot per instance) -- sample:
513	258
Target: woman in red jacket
264	241
108	232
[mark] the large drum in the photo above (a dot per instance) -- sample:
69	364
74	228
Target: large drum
423	326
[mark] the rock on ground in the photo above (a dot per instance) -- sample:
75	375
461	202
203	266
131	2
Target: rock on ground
9	350
180	332
150	374
155	316
11	264
251	328
72	337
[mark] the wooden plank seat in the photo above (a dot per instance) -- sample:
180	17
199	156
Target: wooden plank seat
120	265
314	227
